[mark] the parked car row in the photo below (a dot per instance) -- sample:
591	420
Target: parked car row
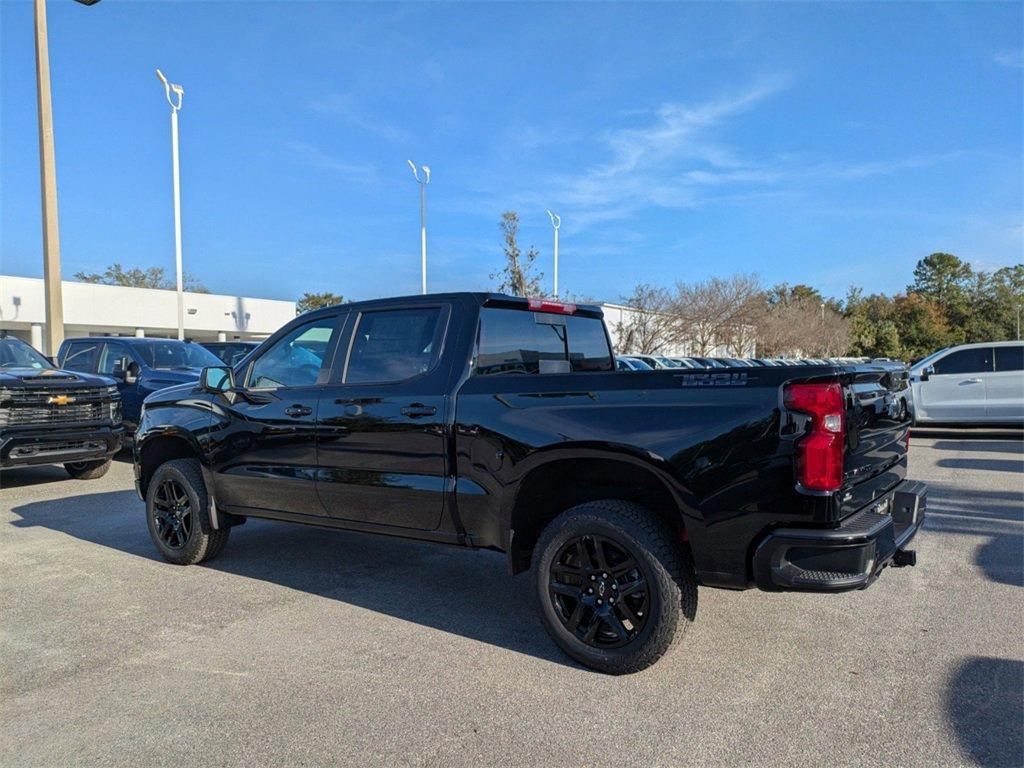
661	362
81	408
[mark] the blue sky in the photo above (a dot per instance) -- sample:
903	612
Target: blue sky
821	143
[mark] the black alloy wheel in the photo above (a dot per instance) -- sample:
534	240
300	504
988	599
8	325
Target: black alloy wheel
599	591
172	511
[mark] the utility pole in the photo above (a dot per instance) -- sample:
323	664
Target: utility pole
53	298
53	295
423	219
175	103
556	222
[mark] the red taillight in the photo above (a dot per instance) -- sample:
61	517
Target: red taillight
543	305
819	460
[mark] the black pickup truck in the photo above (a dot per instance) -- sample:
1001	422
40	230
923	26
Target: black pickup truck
51	416
485	420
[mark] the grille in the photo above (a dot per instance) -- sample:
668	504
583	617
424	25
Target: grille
29	407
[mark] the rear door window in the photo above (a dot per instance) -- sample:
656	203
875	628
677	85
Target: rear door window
81	356
394	345
977	360
1010	358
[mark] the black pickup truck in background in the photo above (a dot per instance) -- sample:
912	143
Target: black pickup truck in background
484	420
51	416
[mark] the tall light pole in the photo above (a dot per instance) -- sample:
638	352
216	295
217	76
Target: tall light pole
52	294
556	222
423	218
1018	321
175	103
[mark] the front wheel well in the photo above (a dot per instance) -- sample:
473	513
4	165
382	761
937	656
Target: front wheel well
552	488
159	451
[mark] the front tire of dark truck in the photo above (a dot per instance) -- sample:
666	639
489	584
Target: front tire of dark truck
177	512
615	586
88	470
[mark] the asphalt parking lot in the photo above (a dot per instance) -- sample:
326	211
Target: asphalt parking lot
301	646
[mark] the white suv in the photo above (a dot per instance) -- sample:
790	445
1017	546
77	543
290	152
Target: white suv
971	383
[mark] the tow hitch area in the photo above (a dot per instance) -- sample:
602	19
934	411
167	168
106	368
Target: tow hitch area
849	556
904	557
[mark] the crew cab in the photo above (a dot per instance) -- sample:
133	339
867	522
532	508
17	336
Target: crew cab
980	383
50	416
139	366
484	420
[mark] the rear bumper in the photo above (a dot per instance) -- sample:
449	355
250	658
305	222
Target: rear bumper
20	448
850	556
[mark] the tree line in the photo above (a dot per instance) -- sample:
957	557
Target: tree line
948	303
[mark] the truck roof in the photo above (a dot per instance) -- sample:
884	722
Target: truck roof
479	297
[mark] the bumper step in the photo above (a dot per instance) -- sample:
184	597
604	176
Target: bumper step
849	556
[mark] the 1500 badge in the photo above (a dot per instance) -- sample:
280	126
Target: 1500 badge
714	380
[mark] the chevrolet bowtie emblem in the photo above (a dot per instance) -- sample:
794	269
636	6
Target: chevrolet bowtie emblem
60	400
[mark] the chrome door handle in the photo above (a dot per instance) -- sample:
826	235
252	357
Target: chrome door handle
298	410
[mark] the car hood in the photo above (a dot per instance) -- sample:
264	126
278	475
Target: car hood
16	378
168	378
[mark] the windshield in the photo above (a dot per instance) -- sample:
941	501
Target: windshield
926	360
15	353
172	354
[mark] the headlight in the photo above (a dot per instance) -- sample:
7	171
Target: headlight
112	389
115	410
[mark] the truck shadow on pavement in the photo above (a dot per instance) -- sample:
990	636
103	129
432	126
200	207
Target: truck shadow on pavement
22	477
998	515
464	592
992	465
984	703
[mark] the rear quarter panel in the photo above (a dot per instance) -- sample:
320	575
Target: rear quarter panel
718	441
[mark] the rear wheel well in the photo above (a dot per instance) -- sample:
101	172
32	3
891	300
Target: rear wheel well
551	489
160	451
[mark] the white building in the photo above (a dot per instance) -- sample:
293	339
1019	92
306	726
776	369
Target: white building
113	310
617	315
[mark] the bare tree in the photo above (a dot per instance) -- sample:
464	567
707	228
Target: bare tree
649	325
717	312
517	277
803	327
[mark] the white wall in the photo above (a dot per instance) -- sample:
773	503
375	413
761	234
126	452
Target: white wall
111	309
618	313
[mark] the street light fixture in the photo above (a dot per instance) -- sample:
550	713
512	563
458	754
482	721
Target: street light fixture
556	222
423	218
53	298
175	102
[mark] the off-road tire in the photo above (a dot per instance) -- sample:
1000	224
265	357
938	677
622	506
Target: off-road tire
88	470
203	543
666	563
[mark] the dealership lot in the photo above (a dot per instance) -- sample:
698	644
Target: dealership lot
308	646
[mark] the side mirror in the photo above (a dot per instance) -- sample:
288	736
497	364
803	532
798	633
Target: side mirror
927	373
217	378
131	375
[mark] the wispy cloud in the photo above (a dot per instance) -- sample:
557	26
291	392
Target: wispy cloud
1010	58
674	157
314	157
344	107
